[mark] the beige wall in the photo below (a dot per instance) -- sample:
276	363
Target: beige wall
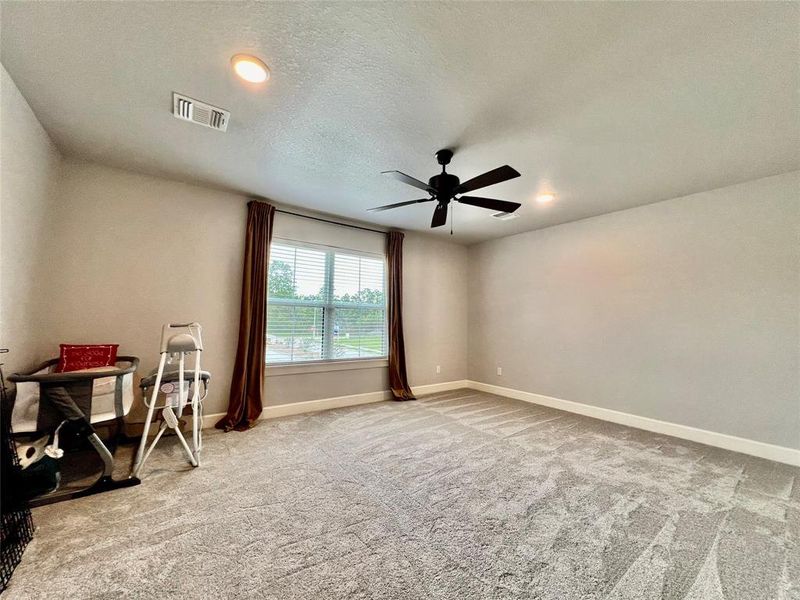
435	309
130	252
686	311
29	168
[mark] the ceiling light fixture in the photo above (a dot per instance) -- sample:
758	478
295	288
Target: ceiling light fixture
545	198
250	68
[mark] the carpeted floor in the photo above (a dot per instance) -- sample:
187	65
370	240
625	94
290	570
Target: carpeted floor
459	495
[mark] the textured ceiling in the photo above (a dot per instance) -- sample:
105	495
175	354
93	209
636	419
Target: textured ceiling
608	105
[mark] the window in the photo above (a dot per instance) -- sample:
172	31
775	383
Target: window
324	304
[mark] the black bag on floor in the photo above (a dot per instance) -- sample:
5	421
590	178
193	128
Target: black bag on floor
40	473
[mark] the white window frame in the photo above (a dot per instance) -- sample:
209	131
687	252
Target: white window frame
329	306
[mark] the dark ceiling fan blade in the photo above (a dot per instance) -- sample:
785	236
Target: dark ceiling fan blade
490	203
439	215
407	179
398	204
497	175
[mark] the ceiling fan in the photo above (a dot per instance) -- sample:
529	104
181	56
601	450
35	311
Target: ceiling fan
446	187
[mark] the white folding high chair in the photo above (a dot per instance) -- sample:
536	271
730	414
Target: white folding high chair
178	340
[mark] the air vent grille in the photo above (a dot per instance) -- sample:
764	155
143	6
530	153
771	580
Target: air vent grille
218	119
183	108
189	109
504	216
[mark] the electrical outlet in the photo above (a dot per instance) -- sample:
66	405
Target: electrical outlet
438	368
499	370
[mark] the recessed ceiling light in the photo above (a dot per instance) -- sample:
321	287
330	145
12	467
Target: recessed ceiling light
250	68
545	198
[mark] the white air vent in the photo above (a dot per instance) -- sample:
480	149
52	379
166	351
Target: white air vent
504	216
188	109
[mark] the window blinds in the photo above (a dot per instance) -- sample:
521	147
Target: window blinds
325	303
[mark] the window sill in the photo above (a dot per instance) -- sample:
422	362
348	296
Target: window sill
326	366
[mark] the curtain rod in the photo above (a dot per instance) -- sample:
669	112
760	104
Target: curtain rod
288	212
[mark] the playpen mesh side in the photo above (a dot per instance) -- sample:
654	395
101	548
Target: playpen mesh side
16	524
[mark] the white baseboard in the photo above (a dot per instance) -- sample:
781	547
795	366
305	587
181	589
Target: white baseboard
711	438
297	408
435	388
781	454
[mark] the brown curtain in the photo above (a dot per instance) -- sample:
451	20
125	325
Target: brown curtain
398	380
247	386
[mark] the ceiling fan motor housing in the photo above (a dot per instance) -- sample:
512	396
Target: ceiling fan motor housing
445	185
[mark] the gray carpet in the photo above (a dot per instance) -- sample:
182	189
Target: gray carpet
457	496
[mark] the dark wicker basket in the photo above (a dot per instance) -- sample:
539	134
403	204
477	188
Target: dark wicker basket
16	524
